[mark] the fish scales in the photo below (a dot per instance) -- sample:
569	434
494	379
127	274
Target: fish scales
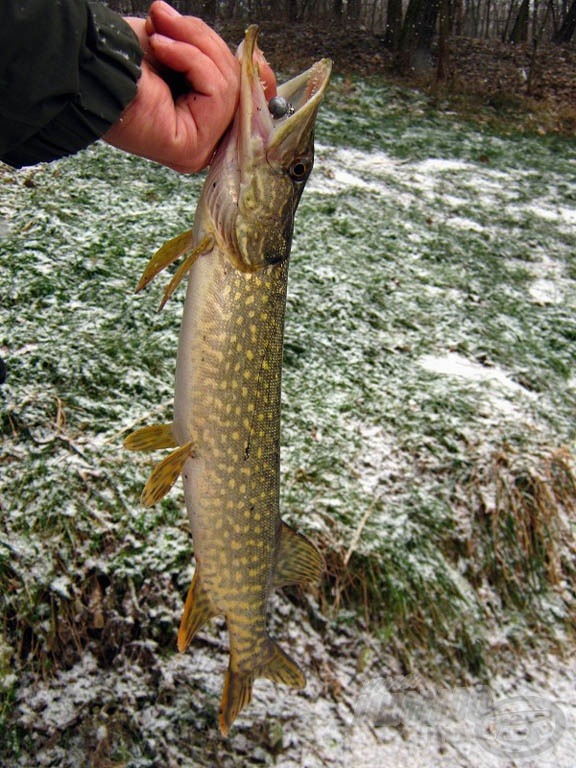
225	434
230	404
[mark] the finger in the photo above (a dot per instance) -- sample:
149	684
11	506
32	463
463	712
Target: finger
189	29
200	68
202	121
200	71
167	21
138	26
201	115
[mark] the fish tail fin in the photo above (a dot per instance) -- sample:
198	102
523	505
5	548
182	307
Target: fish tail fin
237	694
197	611
280	668
276	665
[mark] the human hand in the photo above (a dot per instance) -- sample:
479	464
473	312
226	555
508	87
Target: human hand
181	132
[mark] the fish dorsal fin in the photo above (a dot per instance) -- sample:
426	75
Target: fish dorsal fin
297	560
167	254
151	438
197	611
205	245
165	474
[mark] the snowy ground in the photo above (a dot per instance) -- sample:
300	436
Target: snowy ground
430	321
371	717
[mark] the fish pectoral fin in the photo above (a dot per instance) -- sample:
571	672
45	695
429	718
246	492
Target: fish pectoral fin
166	255
197	611
205	245
165	474
297	560
151	438
236	695
280	668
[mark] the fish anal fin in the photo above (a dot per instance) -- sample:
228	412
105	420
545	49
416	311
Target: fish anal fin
205	245
197	611
297	559
279	667
151	438
166	255
236	695
165	474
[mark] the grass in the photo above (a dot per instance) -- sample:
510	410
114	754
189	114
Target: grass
439	262
445	503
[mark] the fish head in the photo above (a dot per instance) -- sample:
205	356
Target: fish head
263	162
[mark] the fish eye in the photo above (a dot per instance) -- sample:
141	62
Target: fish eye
299	170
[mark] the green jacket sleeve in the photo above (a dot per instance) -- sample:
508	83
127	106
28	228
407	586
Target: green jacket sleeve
67	71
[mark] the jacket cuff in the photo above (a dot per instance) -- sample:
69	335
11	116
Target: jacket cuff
108	71
109	65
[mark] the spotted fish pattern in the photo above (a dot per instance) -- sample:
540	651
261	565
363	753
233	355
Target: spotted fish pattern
225	436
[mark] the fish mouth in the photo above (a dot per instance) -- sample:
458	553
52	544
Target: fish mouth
259	130
260	169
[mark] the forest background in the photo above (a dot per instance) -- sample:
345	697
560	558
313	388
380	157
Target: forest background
502	60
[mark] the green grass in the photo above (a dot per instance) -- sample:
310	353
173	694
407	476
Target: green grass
385	277
444	504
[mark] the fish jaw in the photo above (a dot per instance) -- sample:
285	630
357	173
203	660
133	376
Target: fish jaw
260	169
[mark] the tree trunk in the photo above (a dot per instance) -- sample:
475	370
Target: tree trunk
487	11
209	10
354	8
417	34
394	24
337	9
292	11
566	31
445	23
519	32
457	17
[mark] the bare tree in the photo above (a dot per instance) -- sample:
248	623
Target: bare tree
417	34
519	33
407	25
566	31
445	24
393	27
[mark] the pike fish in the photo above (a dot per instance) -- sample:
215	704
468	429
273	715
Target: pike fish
225	434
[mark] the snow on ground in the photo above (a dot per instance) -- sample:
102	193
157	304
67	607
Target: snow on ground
549	285
497	390
463	190
454	364
367	715
526	719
